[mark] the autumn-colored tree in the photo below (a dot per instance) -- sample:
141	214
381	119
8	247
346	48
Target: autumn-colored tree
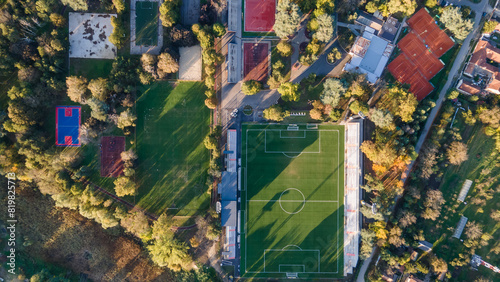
383	154
77	88
457	153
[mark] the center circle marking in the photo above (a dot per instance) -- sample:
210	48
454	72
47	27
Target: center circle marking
303	201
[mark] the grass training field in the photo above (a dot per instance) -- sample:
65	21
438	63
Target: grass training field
146	23
292	201
172	165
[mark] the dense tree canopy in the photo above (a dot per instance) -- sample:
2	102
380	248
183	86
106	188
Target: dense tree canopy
457	153
287	18
276	113
333	89
289	91
324	33
453	19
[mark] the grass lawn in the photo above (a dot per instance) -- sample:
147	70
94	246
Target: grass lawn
482	156
292	201
90	68
146	23
448	59
172	166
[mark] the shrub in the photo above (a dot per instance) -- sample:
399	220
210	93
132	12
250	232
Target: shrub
284	48
219	30
211	102
251	87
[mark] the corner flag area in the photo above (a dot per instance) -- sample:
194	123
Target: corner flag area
292	201
68	126
259	15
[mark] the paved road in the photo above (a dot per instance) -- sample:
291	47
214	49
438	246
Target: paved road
462	54
478	8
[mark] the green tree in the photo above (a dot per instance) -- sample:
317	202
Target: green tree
119	6
119	34
219	30
334	55
333	89
124	186
77	5
457	153
453	20
77	88
211	142
430	4
251	87
489	26
287	19
380	153
211	102
276	113
169	13
284	48
382	118
166	251
99	109
371	7
402	103
136	223
166	64
356	106
126	118
289	91
99	88
406	7
324	33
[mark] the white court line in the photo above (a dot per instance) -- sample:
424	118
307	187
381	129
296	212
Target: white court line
298	201
246	193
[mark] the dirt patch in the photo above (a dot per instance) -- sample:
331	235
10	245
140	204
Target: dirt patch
65	238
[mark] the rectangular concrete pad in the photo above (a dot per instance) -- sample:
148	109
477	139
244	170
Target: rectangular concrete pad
259	15
89	36
190	63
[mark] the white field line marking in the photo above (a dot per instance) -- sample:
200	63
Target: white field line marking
246	193
293	137
303	267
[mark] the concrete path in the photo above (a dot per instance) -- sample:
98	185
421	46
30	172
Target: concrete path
364	267
462	54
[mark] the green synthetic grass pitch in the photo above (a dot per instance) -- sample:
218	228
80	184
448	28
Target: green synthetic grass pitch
292	201
146	23
172	160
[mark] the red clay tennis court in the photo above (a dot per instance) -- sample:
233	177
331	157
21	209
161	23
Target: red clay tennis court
426	28
111	160
259	15
406	72
255	61
426	62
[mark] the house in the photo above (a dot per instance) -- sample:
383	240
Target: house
483	68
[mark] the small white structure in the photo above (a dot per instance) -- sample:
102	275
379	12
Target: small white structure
190	63
460	227
89	36
465	190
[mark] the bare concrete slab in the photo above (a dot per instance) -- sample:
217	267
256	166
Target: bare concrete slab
190	63
89	36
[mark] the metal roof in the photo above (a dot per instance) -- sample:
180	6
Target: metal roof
228	185
228	213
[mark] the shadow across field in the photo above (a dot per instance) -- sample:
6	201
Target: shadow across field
172	123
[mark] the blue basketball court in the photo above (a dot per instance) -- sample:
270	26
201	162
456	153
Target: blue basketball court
68	126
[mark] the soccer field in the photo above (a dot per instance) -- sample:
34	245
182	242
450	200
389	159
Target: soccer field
146	23
292	201
172	121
